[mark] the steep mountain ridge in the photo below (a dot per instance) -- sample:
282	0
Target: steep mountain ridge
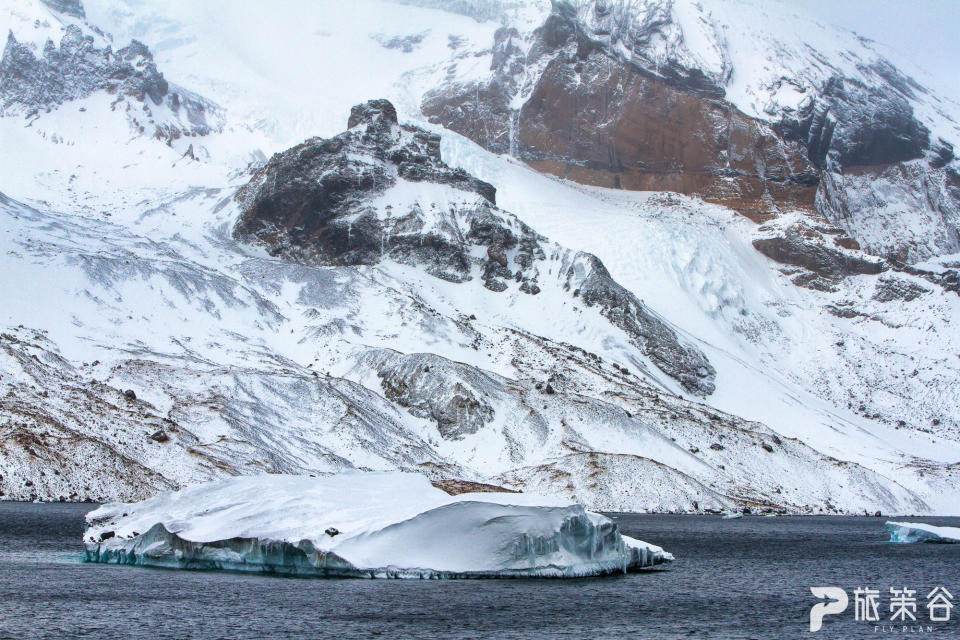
380	191
353	302
76	68
725	101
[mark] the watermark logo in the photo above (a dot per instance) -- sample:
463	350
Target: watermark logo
903	609
940	603
838	605
866	604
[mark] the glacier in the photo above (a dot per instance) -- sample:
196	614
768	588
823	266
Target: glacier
365	525
907	532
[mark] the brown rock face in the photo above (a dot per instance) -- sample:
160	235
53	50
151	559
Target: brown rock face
587	97
455	487
595	120
630	130
795	249
481	111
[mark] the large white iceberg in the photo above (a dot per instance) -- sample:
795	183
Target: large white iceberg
376	525
919	532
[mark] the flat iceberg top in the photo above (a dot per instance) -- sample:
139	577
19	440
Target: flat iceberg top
291	508
381	523
920	532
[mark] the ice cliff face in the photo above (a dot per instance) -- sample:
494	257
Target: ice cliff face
911	532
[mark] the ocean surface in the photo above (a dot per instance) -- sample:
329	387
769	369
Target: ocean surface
746	578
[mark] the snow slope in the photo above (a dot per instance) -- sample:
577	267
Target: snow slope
768	111
121	272
694	263
769	57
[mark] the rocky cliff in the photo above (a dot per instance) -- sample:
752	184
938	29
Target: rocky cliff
77	68
380	191
646	95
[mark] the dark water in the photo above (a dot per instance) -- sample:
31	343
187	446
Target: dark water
746	578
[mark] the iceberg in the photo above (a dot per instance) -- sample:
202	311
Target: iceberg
362	524
905	532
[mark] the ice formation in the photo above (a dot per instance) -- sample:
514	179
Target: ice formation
906	532
372	525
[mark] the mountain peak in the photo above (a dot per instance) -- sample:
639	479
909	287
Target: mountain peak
378	112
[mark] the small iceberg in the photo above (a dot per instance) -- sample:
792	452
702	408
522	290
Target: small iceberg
906	532
732	516
370	525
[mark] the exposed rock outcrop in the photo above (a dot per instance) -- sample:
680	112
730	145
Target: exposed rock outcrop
380	191
635	131
588	277
891	289
77	68
322	202
618	95
72	8
800	245
907	211
451	394
591	117
849	124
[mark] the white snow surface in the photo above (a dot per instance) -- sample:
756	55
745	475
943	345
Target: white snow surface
907	532
384	524
768	56
116	258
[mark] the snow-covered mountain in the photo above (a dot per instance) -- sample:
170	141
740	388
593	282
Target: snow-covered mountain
322	237
741	102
